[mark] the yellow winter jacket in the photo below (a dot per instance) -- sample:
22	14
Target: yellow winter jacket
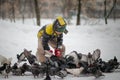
48	29
47	34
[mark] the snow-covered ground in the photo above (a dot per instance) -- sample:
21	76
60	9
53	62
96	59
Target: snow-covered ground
87	37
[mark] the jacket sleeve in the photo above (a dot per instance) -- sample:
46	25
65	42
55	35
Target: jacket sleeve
60	40
45	40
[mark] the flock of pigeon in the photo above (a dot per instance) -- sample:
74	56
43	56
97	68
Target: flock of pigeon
74	63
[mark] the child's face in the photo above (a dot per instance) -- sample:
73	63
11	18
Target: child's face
58	32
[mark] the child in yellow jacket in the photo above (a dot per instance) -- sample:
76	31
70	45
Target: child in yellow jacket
51	35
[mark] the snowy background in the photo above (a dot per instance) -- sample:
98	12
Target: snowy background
87	37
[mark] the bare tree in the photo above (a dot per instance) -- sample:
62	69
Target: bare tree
12	10
64	8
105	12
109	13
0	8
22	7
31	9
37	12
79	11
68	7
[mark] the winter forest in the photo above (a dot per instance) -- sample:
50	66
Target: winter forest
24	9
87	50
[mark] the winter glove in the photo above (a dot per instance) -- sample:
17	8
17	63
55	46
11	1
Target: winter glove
58	53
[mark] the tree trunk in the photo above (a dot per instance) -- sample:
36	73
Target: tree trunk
22	9
105	13
0	8
12	10
13	7
37	12
79	11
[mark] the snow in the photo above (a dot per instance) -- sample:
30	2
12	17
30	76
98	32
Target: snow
87	37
